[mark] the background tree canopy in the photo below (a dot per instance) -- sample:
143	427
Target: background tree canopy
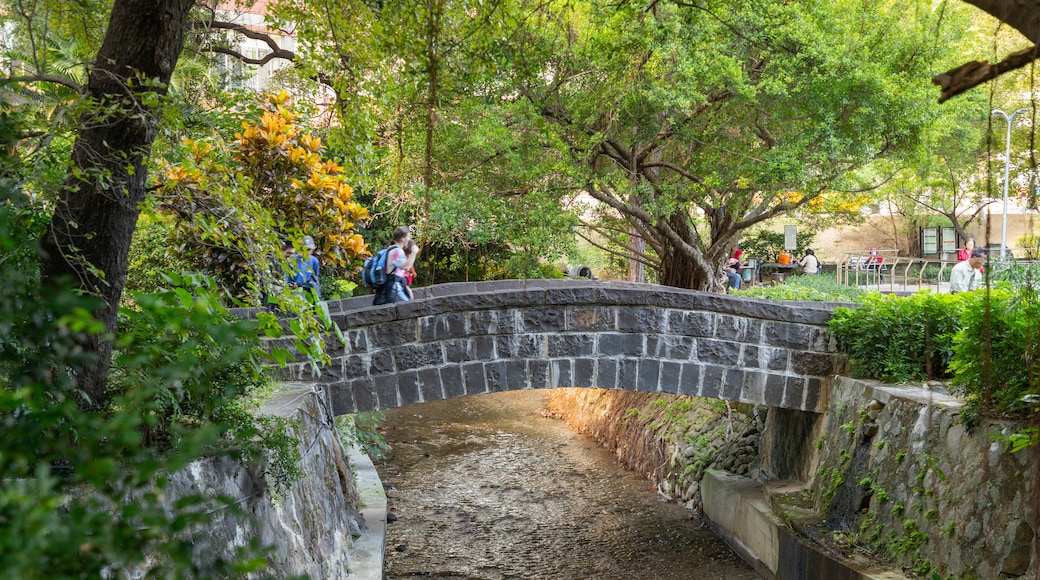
691	122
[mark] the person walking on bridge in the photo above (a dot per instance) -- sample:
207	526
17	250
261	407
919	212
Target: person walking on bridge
398	262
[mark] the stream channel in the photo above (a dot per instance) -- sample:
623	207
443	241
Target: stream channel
487	487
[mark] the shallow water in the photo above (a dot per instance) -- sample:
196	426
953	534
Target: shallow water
486	487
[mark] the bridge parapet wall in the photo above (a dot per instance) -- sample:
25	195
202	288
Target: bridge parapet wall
471	338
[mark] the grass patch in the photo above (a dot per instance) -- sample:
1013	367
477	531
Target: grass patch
807	288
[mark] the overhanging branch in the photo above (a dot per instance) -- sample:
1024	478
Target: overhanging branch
45	78
276	50
972	74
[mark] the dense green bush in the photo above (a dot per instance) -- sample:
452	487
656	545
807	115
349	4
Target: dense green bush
83	493
930	273
900	339
1010	273
998	350
987	341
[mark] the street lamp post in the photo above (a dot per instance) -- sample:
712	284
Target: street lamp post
1007	171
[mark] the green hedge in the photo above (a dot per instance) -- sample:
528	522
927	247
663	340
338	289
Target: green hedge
997	350
988	343
900	339
805	288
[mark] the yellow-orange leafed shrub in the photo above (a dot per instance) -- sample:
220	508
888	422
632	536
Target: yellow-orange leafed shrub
231	207
291	179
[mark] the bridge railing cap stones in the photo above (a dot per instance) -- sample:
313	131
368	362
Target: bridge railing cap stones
473	296
463	296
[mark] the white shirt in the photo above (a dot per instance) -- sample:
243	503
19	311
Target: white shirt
964	278
809	264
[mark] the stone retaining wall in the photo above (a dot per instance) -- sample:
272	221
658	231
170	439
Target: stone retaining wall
930	495
668	439
312	525
926	495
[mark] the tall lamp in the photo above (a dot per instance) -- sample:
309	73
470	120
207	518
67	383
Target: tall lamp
1007	170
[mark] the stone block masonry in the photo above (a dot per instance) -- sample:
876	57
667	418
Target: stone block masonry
472	338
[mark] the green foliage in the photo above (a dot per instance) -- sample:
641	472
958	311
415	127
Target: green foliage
880	493
1021	439
1011	274
900	339
673	414
85	492
181	361
151	258
997	359
988	341
361	430
338	288
471	235
488	143
931	274
235	207
1029	244
831	479
818	288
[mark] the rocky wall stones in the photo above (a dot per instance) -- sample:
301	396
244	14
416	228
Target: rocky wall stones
311	525
941	498
669	440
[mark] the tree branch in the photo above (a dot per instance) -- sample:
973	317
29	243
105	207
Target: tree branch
234	53
642	258
276	50
1021	15
972	74
46	78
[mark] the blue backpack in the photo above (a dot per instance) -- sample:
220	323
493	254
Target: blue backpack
373	272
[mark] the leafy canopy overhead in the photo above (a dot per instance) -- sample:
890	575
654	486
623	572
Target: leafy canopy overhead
697	121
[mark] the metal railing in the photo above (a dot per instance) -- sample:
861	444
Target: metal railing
894	273
899	274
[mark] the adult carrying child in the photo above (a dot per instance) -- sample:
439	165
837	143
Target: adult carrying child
398	262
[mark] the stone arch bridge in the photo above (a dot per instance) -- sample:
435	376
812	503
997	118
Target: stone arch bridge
471	338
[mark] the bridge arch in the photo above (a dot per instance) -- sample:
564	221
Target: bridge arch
472	338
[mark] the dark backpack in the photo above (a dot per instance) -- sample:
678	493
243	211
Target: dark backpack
373	272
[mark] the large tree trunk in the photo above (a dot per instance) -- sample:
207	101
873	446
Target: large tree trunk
679	271
682	271
89	235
